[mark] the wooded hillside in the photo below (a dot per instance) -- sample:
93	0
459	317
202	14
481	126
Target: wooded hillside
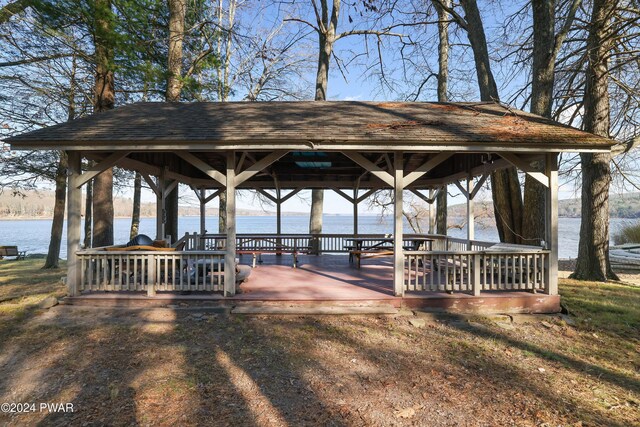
40	205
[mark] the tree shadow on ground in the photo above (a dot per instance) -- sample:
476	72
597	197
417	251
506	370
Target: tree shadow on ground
180	367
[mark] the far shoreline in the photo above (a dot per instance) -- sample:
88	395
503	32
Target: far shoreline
268	214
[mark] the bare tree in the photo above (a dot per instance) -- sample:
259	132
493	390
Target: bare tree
546	47
505	186
593	249
443	96
325	25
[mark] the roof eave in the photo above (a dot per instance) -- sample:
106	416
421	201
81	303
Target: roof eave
304	145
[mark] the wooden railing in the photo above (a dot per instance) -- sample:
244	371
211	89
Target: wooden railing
151	271
329	242
475	271
459	244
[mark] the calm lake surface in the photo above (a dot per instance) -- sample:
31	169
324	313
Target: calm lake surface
33	235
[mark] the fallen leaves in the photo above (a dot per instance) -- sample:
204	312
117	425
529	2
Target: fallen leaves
409	412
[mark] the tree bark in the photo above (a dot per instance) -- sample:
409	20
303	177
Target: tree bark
177	13
53	255
104	99
222	216
103	209
593	249
327	25
505	186
171	209
315	220
533	227
443	96
135	214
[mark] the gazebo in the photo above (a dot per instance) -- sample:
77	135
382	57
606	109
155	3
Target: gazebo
353	148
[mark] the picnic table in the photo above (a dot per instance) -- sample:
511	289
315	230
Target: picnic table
372	247
258	245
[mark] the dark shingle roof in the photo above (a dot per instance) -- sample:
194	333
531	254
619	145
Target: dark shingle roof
321	124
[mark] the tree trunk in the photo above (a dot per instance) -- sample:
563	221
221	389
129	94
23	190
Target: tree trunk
222	213
593	249
443	96
441	212
315	220
135	214
104	99
177	12
88	215
103	209
505	186
533	226
171	208
326	39
53	255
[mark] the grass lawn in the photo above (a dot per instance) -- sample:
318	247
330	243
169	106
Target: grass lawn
179	367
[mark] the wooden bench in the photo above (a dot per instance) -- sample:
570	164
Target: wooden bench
371	252
12	251
257	252
368	253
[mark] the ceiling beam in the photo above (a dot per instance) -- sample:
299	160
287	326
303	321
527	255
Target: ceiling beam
203	166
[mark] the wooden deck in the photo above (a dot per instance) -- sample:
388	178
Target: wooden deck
331	279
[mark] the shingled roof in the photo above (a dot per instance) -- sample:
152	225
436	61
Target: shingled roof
320	125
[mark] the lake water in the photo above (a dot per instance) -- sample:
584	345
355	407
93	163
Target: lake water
33	235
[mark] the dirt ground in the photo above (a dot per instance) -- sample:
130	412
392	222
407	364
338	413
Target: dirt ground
182	367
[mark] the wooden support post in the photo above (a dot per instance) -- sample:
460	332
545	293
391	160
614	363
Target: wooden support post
279	217
203	212
355	216
398	255
475	274
151	275
74	222
230	254
160	205
471	226
432	217
551	266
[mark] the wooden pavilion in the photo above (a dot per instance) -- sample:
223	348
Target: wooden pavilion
280	148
